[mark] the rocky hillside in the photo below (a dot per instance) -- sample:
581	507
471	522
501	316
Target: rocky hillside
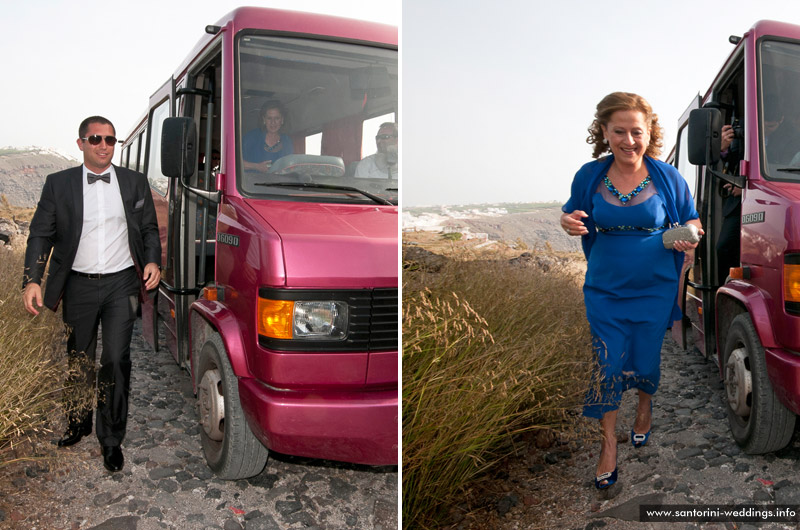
533	228
13	233
536	225
22	173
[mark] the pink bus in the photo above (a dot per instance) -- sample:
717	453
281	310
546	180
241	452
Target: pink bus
742	293
279	287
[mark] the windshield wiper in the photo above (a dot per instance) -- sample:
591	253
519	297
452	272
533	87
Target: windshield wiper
789	169
379	200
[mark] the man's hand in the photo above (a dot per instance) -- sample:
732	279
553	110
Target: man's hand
726	137
32	295
736	191
151	275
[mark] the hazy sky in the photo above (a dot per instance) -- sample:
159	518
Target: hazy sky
497	96
64	61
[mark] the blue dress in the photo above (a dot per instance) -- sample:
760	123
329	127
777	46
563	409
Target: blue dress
630	290
253	147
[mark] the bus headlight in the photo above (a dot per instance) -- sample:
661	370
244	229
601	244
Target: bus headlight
320	320
302	319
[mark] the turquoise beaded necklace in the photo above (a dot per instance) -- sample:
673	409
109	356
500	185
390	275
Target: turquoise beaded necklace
628	196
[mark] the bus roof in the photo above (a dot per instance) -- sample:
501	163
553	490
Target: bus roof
775	28
291	22
760	29
296	23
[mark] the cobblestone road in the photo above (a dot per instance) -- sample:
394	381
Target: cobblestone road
691	459
166	483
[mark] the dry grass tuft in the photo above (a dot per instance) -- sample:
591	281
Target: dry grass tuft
31	361
490	350
20	213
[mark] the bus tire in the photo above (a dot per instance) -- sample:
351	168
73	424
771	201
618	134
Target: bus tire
759	422
231	449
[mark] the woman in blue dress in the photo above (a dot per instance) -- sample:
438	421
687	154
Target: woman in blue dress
262	146
620	206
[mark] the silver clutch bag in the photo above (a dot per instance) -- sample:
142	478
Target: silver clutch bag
680	233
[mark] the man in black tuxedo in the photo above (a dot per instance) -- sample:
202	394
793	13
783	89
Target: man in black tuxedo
100	223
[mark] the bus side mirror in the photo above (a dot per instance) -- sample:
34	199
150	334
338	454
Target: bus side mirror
705	126
178	147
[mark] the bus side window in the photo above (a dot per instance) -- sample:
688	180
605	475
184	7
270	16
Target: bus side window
687	170
158	181
314	144
133	159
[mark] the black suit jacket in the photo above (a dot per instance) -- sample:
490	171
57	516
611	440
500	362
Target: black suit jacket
58	222
732	206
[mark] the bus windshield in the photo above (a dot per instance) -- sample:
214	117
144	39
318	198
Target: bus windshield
316	120
779	134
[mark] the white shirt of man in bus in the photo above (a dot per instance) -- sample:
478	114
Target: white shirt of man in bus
382	164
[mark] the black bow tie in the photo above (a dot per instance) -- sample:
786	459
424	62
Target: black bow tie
92	178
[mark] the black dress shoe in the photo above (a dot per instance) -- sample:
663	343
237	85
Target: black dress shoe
112	457
76	431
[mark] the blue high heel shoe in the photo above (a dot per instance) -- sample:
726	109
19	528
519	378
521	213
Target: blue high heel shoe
640	440
609	478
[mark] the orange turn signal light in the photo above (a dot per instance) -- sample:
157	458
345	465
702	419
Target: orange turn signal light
791	282
740	273
210	293
275	318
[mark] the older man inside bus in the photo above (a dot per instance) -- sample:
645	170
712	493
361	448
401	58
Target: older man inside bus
383	164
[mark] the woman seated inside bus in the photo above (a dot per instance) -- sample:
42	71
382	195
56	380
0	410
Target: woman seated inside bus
262	146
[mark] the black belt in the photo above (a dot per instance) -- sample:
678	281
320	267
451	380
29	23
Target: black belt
97	276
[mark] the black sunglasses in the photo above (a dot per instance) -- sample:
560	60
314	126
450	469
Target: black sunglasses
95	139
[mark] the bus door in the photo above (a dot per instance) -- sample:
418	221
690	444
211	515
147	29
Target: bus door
700	282
177	288
685	330
159	308
203	103
193	216
713	198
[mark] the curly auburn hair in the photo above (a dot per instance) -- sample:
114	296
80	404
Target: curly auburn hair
623	101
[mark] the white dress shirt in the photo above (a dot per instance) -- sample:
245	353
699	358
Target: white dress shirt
103	246
376	167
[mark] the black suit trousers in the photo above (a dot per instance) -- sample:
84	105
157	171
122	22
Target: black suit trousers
110	302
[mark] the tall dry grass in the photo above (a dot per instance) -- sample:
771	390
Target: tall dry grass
8	211
490	350
31	361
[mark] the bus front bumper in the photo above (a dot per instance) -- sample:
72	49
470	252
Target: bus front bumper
357	427
783	368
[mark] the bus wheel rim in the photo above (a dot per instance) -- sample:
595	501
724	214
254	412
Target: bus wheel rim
212	405
738	383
